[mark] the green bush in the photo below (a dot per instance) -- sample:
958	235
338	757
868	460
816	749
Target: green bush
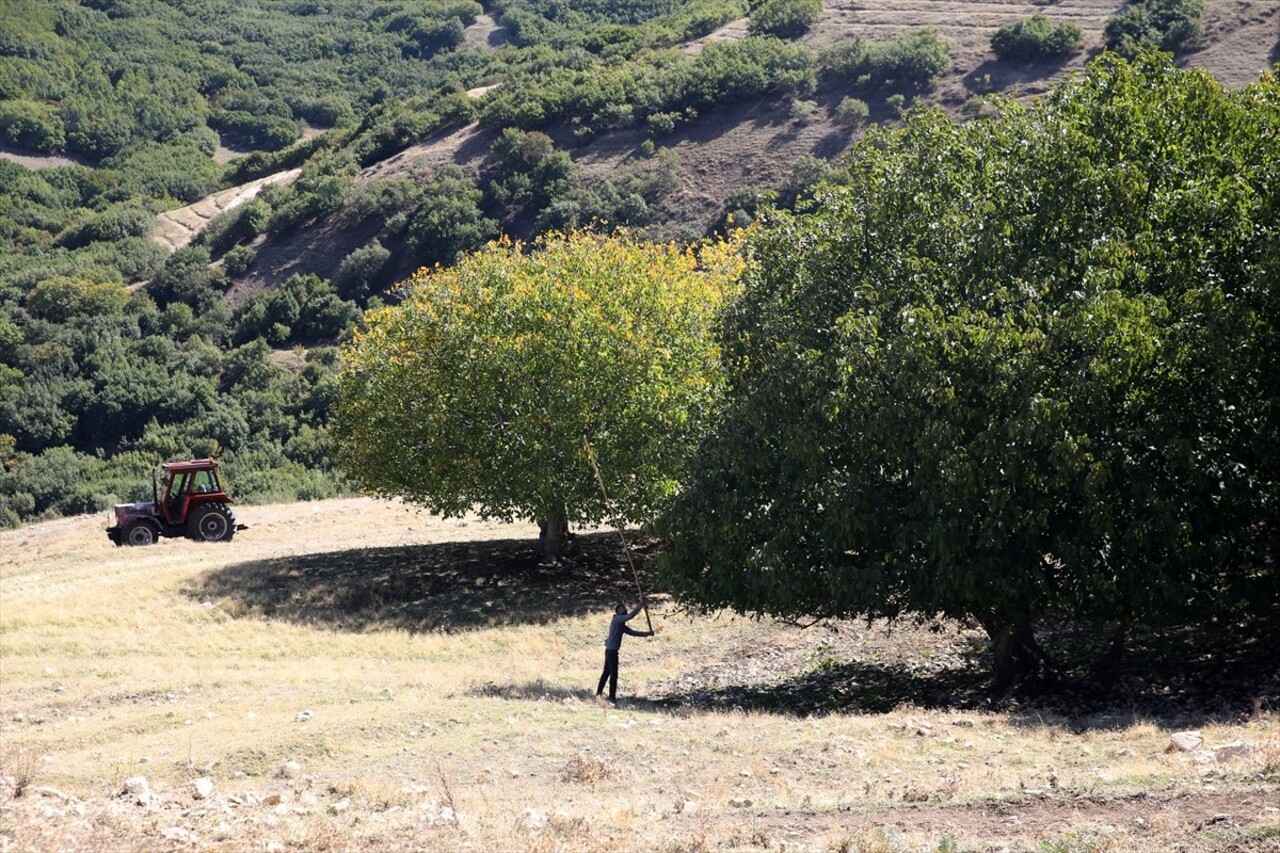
852	112
1035	38
31	125
661	124
238	260
361	271
1171	25
784	18
114	223
911	62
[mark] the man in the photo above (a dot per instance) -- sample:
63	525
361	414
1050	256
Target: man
612	643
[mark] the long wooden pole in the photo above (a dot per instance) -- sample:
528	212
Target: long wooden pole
626	549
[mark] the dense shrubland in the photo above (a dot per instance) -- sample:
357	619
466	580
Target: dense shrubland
99	378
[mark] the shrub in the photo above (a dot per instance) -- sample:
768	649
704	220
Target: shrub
361	270
852	112
802	111
660	124
1172	25
31	125
114	223
238	260
912	62
784	18
1035	38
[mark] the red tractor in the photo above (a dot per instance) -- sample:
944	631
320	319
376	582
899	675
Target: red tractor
188	502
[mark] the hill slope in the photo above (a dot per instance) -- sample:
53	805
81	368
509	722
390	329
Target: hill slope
353	674
758	144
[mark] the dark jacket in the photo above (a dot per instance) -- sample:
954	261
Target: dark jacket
618	627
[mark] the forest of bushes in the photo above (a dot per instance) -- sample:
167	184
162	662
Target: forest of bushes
115	354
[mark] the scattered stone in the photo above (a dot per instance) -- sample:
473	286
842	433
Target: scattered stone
177	833
531	818
289	770
303	716
415	790
275	847
340	806
137	786
201	788
687	807
55	793
740	803
1228	752
272	800
1184	742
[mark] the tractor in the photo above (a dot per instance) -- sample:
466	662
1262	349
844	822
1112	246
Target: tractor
189	502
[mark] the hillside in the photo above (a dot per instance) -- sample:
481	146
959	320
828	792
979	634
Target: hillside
757	144
357	675
197	200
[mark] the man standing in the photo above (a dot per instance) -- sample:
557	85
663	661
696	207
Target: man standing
612	643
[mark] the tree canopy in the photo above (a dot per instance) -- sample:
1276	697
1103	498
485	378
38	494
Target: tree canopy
1017	369
477	390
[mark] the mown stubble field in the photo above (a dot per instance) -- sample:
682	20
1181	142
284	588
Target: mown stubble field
354	675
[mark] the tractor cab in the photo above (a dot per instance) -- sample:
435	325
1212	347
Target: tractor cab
184	486
189	501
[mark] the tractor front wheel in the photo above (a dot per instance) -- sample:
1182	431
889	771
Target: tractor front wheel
211	523
139	533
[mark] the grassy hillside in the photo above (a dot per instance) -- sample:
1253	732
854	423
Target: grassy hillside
355	675
197	198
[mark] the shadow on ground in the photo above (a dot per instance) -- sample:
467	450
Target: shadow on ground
1176	678
444	587
1182	676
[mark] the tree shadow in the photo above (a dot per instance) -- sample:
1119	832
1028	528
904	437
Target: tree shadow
855	687
1172	678
444	587
995	75
537	690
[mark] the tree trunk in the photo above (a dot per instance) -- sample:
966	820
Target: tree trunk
1107	666
553	535
1017	654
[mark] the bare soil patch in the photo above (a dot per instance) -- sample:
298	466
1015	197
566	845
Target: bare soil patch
33	160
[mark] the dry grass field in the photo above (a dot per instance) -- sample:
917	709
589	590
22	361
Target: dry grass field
354	675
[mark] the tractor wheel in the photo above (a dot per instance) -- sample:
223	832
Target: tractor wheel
211	523
139	533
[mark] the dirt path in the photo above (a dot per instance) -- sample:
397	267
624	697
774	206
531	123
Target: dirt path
176	228
31	160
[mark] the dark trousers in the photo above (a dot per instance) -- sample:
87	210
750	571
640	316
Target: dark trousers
610	674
